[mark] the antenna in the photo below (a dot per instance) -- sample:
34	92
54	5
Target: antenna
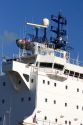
77	59
38	26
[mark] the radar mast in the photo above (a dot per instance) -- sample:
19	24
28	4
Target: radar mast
59	41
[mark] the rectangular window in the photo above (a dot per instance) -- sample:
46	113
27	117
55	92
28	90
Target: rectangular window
48	65
58	66
71	73
76	74
66	72
81	76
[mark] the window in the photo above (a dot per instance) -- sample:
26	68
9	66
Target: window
19	82
54	84
66	72
77	107
4	83
77	89
46	100
45	117
65	104
43	64
22	99
81	76
69	122
31	80
0	119
66	87
3	101
26	77
82	108
43	81
29	98
56	120
71	73
76	74
65	121
48	83
58	66
54	101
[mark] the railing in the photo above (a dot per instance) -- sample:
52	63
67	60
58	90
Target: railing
42	122
47	70
75	62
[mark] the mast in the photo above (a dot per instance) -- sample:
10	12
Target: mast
59	41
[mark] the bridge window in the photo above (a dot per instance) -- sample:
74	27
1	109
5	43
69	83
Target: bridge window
66	72
81	76
58	66
71	73
76	74
48	65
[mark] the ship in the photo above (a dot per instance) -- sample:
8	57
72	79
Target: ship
42	85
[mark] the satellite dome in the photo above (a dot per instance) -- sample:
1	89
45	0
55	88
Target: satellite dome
45	22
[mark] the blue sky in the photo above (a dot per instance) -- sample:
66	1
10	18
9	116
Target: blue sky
13	14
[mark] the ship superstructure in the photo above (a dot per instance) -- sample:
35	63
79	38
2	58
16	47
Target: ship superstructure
42	85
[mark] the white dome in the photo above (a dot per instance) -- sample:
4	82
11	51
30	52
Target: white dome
45	22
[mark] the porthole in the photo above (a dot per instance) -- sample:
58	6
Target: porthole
19	82
22	99
3	101
29	98
4	83
0	119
